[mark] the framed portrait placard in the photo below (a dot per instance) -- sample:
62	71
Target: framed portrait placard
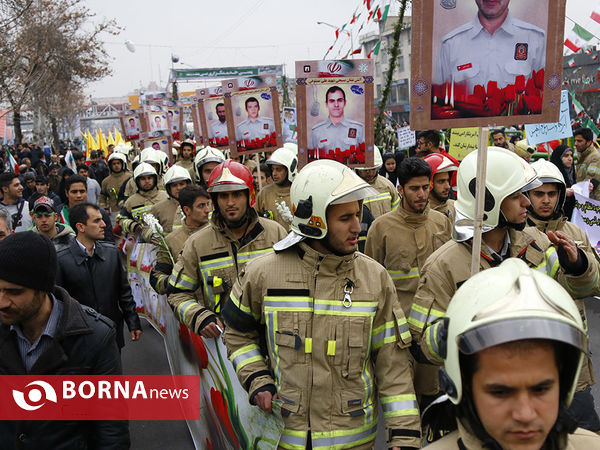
334	104
485	63
175	118
210	121
253	119
155	118
131	124
158	140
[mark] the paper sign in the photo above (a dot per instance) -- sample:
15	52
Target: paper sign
586	214
543	132
406	137
463	141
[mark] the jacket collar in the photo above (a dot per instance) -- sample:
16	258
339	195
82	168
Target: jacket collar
80	257
326	263
545	225
412	218
253	230
588	151
71	323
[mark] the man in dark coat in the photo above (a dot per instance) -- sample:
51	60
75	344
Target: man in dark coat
44	331
92	272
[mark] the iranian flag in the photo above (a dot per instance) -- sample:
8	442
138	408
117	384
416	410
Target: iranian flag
577	106
577	38
12	162
596	14
571	62
375	50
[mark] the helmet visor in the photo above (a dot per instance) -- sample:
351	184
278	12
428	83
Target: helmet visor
359	194
227	187
510	330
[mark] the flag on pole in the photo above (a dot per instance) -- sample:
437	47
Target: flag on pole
12	162
571	62
596	14
357	51
375	50
577	38
577	106
110	140
592	126
386	10
118	137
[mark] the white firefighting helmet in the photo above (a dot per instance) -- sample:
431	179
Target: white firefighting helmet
320	184
206	155
506	174
287	158
549	173
174	174
291	146
508	303
119	157
124	148
142	169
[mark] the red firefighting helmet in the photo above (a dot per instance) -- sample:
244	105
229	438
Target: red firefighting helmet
232	176
439	164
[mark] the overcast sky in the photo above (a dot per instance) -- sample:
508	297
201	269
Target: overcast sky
227	33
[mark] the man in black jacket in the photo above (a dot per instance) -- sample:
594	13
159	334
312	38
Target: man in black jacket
92	272
44	331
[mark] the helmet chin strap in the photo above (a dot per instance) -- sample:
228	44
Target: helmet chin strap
503	223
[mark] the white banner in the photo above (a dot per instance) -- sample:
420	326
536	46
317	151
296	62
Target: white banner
586	214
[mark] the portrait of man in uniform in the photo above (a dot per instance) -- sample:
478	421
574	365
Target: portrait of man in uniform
256	129
337	132
157	122
493	46
218	128
131	125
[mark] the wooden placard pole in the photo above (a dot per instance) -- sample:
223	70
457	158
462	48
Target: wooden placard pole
258	176
479	197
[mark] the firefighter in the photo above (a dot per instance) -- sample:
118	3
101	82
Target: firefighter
111	185
441	184
403	239
131	216
336	339
168	211
213	258
206	160
195	204
515	344
386	198
504	235
273	201
186	156
546	214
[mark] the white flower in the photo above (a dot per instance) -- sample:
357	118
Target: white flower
153	223
284	211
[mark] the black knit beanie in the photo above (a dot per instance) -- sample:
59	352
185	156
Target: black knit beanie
29	260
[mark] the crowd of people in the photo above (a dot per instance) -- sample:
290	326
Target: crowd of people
344	294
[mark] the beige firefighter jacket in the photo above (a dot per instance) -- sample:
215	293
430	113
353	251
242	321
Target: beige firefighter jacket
586	377
463	439
332	361
268	199
386	201
401	241
169	214
136	206
450	266
446	208
187	164
588	167
210	263
159	276
109	192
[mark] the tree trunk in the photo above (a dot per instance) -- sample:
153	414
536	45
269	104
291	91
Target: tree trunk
55	137
393	52
17	126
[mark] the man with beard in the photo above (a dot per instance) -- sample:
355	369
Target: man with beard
185	156
212	260
316	325
403	239
273	201
442	170
218	129
504	236
386	199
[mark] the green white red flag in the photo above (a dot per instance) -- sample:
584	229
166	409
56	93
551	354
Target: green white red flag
577	38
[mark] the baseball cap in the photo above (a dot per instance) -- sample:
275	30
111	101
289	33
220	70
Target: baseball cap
45	204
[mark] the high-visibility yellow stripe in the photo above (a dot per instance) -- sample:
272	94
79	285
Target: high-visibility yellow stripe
330	348
308	345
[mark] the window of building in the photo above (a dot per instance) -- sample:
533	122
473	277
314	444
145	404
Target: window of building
400	63
378	90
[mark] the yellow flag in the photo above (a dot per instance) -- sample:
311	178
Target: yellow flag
102	144
118	137
111	140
